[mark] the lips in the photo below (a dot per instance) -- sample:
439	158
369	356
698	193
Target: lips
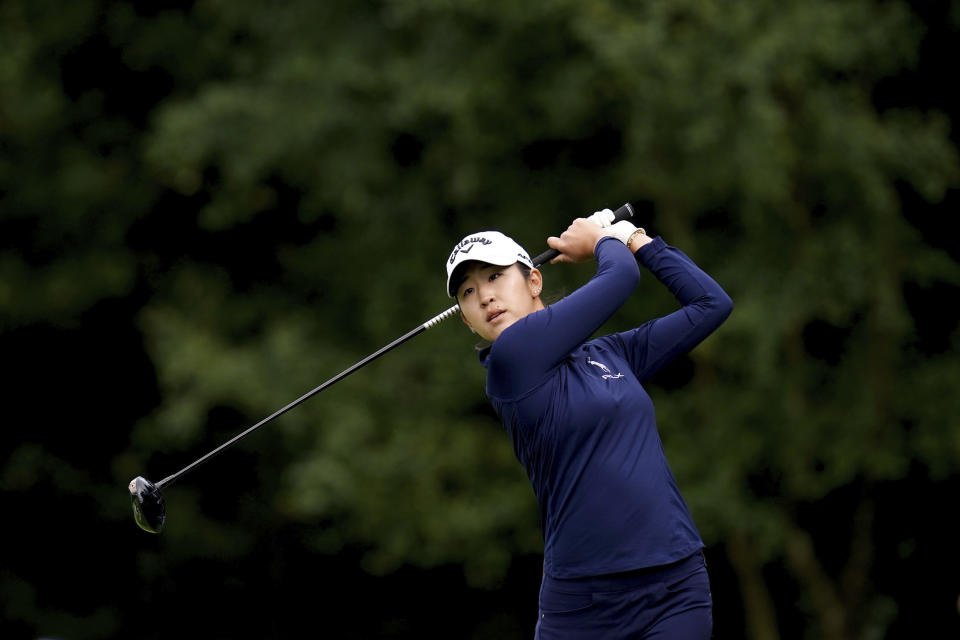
493	315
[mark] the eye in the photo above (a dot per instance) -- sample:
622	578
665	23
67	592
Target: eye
495	275
466	292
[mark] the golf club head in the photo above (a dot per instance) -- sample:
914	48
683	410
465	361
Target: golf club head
149	510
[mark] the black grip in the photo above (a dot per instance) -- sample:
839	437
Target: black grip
623	213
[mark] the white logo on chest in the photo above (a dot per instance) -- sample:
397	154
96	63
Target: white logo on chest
606	370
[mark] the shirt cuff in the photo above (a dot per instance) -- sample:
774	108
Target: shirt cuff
596	248
646	253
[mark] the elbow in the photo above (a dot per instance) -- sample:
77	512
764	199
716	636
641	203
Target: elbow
721	308
715	309
724	305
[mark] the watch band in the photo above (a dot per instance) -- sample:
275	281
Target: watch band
639	231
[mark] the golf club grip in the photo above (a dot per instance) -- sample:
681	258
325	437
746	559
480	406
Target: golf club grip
623	213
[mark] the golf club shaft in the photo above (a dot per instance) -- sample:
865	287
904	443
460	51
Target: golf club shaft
337	378
623	213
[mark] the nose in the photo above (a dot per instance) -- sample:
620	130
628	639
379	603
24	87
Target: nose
485	294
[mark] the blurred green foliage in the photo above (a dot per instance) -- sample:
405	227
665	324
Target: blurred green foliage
282	198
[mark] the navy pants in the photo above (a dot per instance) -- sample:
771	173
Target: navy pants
670	602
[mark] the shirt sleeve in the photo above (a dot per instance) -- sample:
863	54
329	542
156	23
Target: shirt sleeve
704	307
532	347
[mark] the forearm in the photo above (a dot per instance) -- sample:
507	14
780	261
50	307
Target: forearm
705	306
535	344
566	324
685	280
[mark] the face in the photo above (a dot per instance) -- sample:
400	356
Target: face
492	297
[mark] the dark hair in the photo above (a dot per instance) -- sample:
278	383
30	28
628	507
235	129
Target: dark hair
546	300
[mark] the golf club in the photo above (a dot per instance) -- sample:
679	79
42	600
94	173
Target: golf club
149	509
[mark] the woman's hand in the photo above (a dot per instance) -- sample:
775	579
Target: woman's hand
632	236
577	243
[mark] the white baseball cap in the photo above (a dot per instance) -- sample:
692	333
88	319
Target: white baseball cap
491	247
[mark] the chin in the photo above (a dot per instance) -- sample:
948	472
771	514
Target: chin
496	332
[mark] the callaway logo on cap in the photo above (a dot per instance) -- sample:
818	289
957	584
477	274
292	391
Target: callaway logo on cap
491	247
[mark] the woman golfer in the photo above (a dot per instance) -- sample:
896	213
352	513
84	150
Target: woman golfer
622	557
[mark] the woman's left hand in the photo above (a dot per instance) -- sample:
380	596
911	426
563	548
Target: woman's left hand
629	234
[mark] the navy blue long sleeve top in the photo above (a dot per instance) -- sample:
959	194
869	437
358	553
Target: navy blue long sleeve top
583	426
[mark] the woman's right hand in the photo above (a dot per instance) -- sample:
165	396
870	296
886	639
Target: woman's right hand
577	243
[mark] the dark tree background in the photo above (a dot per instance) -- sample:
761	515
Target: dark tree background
208	208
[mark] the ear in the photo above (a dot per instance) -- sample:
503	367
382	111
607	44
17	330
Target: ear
469	326
535	282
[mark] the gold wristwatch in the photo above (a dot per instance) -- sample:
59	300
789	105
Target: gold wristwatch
640	231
